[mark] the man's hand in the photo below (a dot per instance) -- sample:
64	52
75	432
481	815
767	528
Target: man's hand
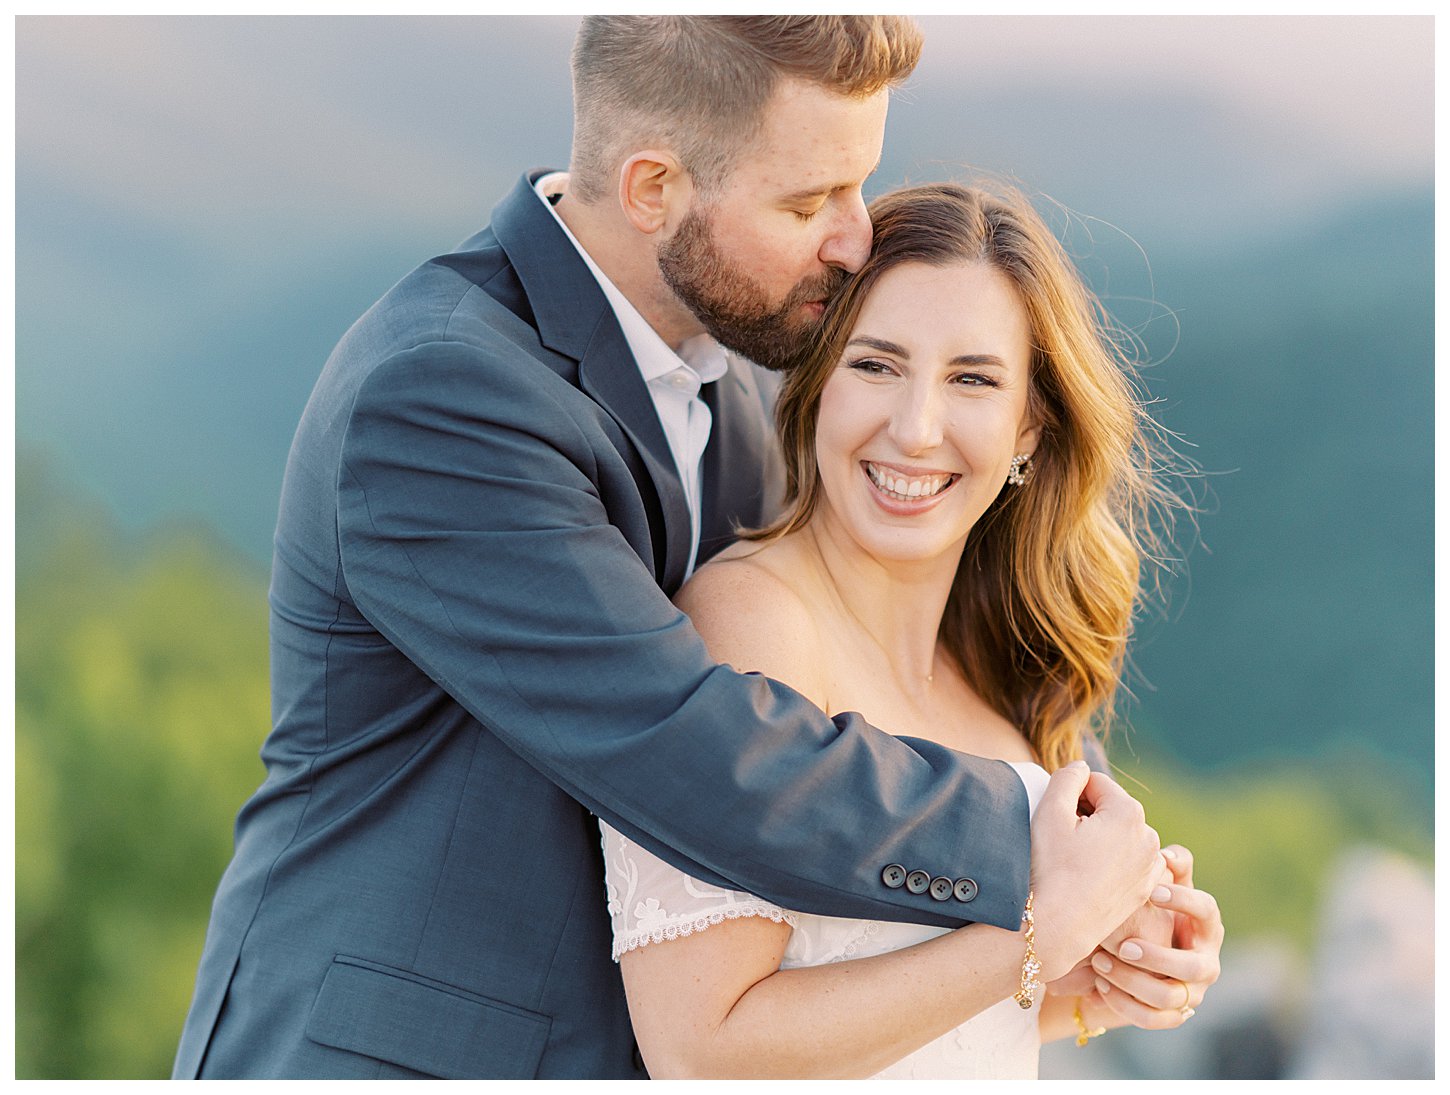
1154	985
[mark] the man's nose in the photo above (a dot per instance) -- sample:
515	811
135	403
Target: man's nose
850	242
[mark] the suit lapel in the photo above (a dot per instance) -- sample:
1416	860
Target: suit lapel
574	318
743	475
608	373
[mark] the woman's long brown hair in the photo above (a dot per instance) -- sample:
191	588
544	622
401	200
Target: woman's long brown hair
1042	607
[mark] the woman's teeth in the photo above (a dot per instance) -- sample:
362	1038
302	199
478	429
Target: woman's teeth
905	487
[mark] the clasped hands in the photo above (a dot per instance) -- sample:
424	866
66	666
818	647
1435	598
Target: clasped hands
1153	971
1099	875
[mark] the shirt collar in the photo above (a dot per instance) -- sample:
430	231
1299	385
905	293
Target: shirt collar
653	355
706	356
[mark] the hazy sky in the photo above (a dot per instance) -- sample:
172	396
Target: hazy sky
230	192
195	114
1365	82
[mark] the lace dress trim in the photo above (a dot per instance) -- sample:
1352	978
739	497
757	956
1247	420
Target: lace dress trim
651	902
869	929
628	941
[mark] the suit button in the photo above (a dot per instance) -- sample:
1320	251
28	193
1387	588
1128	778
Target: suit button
917	882
894	875
965	889
941	889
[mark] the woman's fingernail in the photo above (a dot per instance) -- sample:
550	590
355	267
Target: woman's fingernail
1162	894
1102	986
1169	853
1129	952
1102	963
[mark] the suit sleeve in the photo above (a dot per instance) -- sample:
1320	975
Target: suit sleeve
475	537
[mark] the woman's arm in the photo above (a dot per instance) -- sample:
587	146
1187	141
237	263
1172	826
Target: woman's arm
716	1003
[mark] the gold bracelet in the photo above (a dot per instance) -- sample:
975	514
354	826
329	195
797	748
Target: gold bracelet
1083	1034
1026	996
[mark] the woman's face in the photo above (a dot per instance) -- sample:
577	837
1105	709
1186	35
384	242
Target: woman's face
922	415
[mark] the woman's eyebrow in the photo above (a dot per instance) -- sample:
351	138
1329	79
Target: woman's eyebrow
878	344
892	348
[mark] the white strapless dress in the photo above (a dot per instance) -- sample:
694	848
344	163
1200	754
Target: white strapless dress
651	902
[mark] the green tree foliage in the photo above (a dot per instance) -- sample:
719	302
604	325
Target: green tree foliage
1265	836
141	702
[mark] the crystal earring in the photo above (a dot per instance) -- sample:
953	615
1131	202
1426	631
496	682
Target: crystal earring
1020	470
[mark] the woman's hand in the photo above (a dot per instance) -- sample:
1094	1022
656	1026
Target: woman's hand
1157	986
1094	861
1150	923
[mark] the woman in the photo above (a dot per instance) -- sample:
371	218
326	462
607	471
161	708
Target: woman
967	483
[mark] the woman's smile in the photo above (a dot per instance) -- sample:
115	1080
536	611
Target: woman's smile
907	490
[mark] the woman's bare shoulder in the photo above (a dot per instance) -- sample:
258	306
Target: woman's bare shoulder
749	607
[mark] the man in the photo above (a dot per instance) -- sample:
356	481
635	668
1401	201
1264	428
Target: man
496	483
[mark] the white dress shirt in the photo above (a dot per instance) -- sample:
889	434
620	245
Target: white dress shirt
673	378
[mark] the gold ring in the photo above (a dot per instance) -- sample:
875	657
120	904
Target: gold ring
1185	1007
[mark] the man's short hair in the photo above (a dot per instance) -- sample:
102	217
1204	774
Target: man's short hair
698	84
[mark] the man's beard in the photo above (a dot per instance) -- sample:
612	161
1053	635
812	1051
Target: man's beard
733	308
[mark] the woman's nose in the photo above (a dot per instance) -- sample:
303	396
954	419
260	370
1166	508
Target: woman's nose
916	427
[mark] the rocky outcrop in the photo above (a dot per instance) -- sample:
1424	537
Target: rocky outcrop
1363	1009
1370	1011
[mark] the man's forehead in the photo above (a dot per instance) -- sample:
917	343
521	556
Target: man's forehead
817	190
814	141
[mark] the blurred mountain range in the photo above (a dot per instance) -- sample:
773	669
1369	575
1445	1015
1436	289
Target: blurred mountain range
204	206
1303	375
1299	370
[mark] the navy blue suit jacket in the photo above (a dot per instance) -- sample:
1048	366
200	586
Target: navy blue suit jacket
473	648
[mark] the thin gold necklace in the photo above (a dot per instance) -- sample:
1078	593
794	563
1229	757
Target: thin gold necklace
930	678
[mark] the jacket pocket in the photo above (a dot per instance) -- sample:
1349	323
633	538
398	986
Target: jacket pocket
424	1025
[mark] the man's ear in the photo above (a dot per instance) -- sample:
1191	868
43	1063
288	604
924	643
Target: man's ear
654	190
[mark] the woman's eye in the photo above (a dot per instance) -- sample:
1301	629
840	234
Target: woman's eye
977	380
871	367
802	215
